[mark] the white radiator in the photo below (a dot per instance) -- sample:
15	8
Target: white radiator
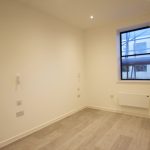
134	100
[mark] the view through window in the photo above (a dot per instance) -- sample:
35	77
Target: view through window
135	54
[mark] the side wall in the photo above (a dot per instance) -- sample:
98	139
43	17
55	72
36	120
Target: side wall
47	56
102	71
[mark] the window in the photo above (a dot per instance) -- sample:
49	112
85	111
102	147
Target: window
135	54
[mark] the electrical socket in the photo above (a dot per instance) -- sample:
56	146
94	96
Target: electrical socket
78	89
19	103
78	96
111	96
19	113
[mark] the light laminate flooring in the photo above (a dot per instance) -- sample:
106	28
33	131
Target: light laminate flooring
90	129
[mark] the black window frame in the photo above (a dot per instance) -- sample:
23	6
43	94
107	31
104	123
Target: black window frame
120	42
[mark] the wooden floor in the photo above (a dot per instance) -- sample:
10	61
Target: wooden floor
90	130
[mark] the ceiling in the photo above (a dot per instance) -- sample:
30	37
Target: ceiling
77	12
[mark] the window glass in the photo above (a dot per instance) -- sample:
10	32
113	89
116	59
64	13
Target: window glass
135	54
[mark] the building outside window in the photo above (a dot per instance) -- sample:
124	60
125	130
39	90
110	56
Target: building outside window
135	54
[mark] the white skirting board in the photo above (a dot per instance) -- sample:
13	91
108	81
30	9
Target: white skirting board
108	109
24	134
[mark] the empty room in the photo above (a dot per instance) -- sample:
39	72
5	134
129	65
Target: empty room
74	74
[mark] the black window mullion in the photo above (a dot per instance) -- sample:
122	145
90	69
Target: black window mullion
136	55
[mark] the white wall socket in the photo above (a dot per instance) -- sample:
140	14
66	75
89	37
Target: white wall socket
19	113
19	103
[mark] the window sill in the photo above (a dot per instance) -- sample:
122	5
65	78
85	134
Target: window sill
134	81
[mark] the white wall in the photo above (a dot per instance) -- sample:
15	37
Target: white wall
102	68
48	55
